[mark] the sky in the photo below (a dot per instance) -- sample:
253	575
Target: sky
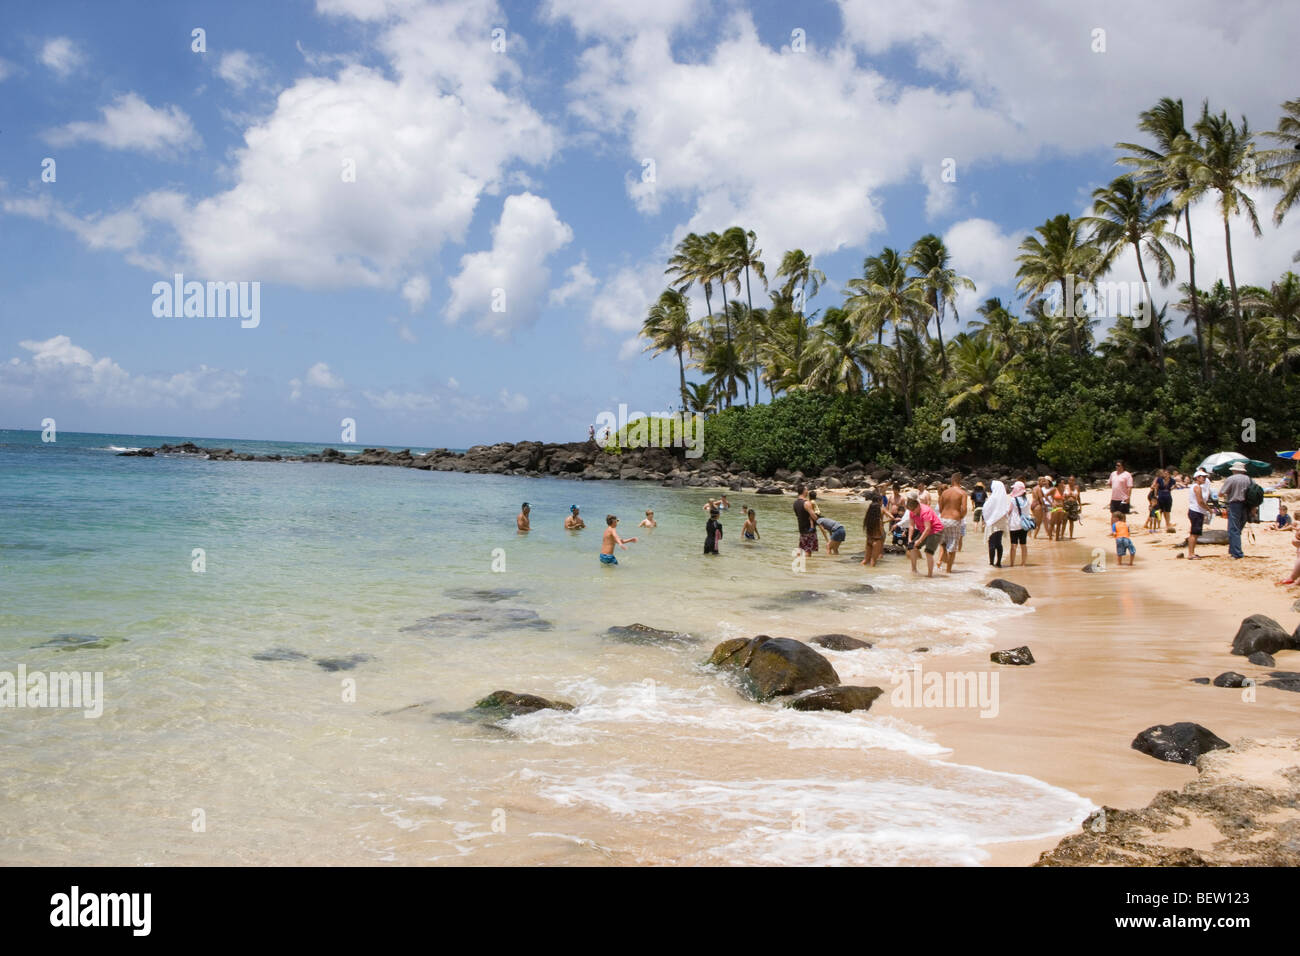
455	215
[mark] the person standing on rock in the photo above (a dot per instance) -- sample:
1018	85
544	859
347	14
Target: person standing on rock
1198	510
1121	488
1233	491
610	539
952	512
521	522
806	518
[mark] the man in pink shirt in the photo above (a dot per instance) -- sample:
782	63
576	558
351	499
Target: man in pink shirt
1121	487
927	532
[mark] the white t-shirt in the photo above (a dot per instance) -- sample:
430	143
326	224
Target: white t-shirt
1121	486
1191	499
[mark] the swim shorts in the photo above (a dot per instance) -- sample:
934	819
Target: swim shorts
1197	522
808	542
952	532
930	544
608	559
839	535
1124	546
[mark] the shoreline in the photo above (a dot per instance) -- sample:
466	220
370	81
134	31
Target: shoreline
1115	653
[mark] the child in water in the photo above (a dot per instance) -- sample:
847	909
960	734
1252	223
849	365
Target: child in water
750	531
712	533
649	520
610	539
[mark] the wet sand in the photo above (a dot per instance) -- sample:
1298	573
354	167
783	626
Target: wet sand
1115	653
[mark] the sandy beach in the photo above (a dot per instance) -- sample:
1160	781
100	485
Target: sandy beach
1115	653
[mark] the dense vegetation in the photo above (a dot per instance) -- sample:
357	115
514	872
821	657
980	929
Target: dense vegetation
875	379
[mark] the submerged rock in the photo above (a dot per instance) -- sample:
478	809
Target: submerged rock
1182	742
1284	680
342	663
774	666
643	634
1093	568
839	642
1019	656
1018	593
1260	659
503	704
488	595
79	642
486	619
280	654
1259	632
843	698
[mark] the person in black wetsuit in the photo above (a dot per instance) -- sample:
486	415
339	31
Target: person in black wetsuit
712	533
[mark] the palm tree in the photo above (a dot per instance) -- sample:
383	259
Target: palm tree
1127	214
1284	162
929	257
1224	160
1277	310
668	327
690	264
978	369
786	351
886	294
1058	254
797	270
744	254
837	354
699	398
1162	170
724	367
1000	327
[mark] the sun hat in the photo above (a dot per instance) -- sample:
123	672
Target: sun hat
1201	473
1238	466
1017	489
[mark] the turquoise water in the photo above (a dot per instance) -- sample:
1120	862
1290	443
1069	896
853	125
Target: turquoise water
286	761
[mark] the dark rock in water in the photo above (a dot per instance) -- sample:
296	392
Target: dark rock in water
859	589
801	596
1261	633
768	490
843	698
839	642
280	654
1183	742
1284	680
926	650
342	663
774	666
1092	568
79	642
485	619
643	634
1017	593
1200	680
488	595
138	453
503	704
1017	655
1217	536
1231	679
1261	659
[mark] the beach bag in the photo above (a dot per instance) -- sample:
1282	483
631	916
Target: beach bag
1254	498
1027	522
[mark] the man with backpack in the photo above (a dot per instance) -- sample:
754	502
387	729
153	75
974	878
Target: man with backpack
1235	491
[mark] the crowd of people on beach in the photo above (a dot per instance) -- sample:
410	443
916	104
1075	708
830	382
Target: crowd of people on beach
933	521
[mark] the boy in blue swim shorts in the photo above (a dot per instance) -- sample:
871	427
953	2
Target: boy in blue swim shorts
610	539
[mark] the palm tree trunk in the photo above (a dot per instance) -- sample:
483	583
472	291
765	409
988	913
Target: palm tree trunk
726	314
1150	308
938	327
902	375
681	371
1236	304
1067	309
753	337
1196	309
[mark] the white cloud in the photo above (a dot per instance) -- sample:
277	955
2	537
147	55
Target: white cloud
513	272
390	400
241	70
626	297
131	123
452	383
320	376
59	369
513	402
121	231
62	55
982	251
416	292
578	284
7	69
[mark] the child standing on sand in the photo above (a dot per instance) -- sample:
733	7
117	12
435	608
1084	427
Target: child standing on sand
1123	543
610	539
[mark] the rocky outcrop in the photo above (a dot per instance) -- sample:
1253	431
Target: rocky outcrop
1182	742
1017	656
1261	633
1018	593
774	666
844	698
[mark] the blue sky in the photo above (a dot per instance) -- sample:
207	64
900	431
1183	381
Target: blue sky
520	169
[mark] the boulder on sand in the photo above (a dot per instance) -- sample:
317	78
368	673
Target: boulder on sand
1019	656
1182	742
843	698
1231	679
1017	593
1259	632
1218	536
774	666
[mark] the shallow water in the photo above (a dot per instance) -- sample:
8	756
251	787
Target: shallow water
662	761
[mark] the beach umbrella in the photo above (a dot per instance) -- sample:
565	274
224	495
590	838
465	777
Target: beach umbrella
1256	469
1287	454
1223	458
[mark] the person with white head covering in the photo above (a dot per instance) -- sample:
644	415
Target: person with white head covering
1198	509
996	511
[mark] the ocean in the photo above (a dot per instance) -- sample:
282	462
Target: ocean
374	589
